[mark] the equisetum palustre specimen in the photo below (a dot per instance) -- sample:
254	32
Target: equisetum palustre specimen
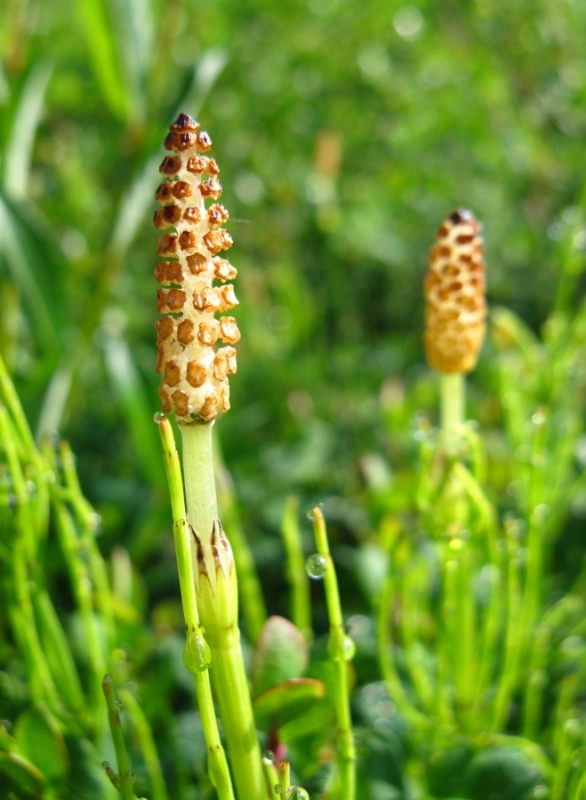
194	387
454	293
195	382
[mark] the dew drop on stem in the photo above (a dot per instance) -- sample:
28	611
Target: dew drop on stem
316	566
349	648
296	793
197	655
159	417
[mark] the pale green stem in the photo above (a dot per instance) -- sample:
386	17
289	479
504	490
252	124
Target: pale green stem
24	517
385	653
565	750
12	402
147	745
536	683
522	616
125	775
506	682
271	776
570	686
452	408
82	589
489	631
346	747
535	542
59	656
579	792
217	763
412	587
10	397
300	603
216	601
233	695
86	519
23	558
198	475
466	664
448	638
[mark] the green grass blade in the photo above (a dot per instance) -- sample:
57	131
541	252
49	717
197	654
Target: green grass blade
135	205
136	408
98	33
134	30
22	248
18	154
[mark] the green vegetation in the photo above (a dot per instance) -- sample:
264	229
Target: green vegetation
345	132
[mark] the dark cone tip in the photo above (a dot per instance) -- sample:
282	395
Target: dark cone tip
184	123
461	215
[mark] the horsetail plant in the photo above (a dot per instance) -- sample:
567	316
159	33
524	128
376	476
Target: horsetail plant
455	312
195	387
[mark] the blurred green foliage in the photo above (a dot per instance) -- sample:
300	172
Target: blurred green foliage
345	132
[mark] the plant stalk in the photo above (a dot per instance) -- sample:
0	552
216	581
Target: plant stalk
300	602
217	763
337	649
125	774
217	601
452	408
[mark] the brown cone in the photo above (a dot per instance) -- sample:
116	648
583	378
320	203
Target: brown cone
454	294
195	383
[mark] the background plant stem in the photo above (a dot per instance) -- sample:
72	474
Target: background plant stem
300	602
124	772
346	748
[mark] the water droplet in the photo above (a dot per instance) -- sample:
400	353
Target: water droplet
277	788
296	793
106	764
316	566
538	418
159	417
94	520
542	511
349	648
119	704
197	655
309	514
130	773
268	755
